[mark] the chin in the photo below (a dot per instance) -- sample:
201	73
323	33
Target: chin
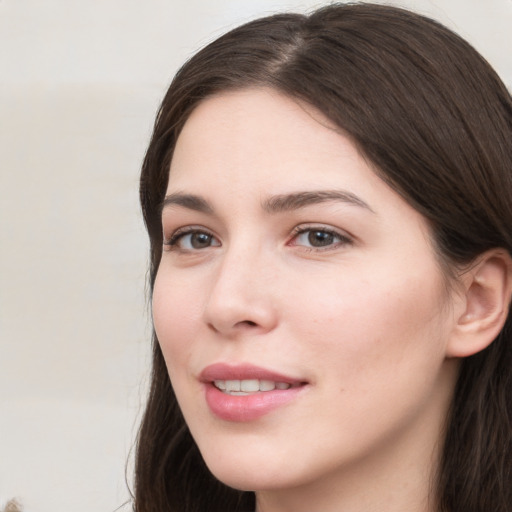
257	481
248	473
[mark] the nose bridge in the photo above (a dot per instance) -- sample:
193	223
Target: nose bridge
241	294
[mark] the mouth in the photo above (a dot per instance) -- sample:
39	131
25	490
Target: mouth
241	393
246	387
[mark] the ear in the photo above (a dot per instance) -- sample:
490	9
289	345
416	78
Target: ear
487	288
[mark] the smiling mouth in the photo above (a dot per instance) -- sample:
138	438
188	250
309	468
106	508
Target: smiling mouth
244	392
250	386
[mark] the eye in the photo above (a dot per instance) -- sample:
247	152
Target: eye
319	238
191	240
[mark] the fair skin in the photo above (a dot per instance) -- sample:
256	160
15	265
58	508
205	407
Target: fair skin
284	250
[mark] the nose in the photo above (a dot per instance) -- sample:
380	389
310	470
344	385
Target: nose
242	298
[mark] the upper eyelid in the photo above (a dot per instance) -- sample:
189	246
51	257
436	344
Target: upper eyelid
317	227
185	230
301	228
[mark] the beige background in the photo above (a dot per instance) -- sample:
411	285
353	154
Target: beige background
80	84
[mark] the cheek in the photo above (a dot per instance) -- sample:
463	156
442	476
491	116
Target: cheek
175	318
378	353
378	325
176	315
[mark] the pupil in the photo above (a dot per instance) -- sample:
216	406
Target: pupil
320	238
200	240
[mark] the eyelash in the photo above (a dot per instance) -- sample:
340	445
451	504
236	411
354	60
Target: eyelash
179	234
342	239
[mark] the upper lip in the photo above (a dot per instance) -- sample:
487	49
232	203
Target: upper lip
225	371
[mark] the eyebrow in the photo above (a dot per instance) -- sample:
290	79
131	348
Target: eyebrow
275	204
189	201
297	200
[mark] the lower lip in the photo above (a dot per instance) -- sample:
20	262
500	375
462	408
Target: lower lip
248	407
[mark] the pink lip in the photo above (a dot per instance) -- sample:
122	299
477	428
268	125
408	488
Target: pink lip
249	407
223	371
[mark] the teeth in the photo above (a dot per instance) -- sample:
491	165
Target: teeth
250	385
221	384
243	387
267	385
232	385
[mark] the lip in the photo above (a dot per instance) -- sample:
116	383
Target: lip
249	407
224	371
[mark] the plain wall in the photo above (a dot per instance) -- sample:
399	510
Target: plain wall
80	85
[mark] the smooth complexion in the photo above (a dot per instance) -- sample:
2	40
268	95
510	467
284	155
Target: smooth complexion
283	250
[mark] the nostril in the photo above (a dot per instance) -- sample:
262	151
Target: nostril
212	327
248	323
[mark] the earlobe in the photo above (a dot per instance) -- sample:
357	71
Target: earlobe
488	288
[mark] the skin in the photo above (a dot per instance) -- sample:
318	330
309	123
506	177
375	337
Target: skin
365	318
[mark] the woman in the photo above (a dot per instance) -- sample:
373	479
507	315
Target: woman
328	203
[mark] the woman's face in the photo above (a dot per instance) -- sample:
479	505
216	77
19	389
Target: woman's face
296	279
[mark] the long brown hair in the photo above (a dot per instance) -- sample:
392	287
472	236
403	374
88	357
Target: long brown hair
436	121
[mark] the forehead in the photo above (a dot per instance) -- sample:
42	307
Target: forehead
260	133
